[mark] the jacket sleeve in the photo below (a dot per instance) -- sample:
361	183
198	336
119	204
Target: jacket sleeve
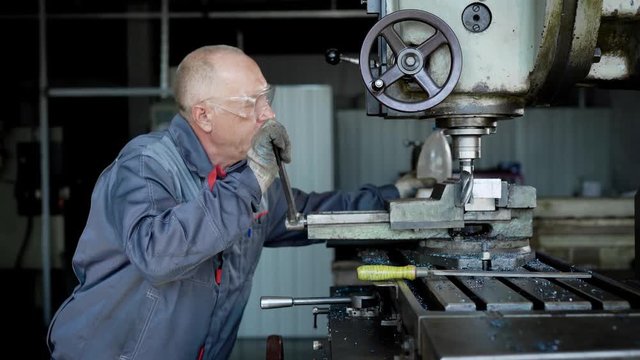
369	197
165	236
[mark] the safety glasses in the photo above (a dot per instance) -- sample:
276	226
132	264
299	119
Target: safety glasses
245	106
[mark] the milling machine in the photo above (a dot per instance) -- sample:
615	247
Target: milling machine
469	65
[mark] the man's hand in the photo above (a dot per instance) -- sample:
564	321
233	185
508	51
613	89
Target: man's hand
408	184
261	157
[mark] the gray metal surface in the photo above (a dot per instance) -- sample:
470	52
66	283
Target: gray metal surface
411	309
562	336
439	211
348	217
601	298
495	295
552	296
448	295
365	232
487	318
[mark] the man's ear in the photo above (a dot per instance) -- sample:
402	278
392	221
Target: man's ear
201	118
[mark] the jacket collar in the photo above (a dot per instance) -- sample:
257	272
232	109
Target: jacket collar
189	146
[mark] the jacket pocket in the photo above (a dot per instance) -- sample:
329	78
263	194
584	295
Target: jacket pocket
254	244
140	327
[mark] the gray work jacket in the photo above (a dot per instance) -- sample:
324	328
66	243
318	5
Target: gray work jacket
155	235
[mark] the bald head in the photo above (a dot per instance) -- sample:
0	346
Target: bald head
215	70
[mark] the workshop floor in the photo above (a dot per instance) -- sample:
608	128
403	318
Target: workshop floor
256	349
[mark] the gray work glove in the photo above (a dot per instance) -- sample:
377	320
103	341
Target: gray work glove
408	185
261	157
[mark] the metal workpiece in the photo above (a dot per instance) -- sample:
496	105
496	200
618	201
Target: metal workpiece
506	196
484	194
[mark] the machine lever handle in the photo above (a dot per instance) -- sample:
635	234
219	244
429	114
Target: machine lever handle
295	220
272	302
334	57
317	311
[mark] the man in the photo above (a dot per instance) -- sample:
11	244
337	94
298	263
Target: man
178	222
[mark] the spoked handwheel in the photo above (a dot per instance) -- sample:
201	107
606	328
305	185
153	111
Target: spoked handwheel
410	61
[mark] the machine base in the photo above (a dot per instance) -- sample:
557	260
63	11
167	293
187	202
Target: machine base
440	317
